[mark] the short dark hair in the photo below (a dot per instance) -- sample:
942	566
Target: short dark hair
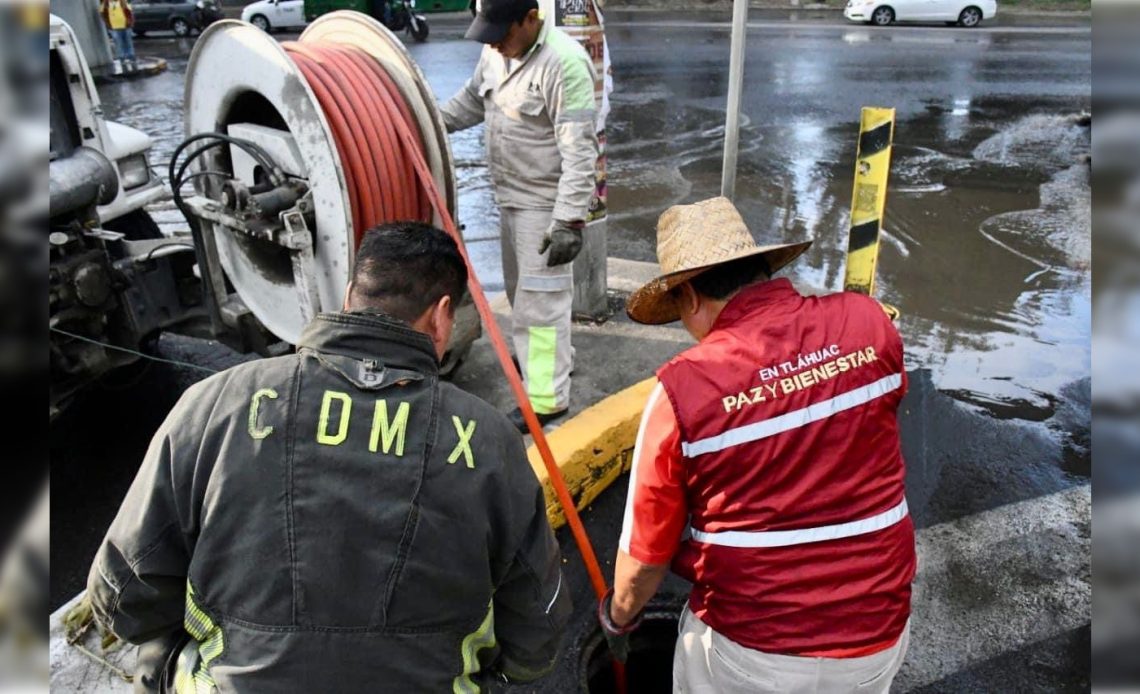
402	268
722	281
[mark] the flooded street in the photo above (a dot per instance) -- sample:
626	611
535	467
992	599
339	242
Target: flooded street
986	253
987	227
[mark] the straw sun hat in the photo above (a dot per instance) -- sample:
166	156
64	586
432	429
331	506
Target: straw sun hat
692	239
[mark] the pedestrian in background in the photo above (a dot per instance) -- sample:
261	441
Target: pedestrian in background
119	18
340	519
534	88
776	441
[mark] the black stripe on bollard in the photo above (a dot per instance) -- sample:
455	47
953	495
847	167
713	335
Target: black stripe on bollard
863	235
875	140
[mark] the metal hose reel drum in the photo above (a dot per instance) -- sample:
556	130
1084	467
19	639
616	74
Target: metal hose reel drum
286	244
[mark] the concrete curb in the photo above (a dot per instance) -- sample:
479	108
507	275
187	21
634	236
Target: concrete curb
593	448
147	67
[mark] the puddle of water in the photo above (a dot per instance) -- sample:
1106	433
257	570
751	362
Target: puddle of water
986	237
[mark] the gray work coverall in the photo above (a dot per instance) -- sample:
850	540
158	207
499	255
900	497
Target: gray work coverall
542	150
336	520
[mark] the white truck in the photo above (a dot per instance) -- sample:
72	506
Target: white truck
114	280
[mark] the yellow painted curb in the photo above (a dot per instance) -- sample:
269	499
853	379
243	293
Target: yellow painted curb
593	448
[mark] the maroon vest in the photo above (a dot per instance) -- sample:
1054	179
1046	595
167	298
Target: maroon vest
801	541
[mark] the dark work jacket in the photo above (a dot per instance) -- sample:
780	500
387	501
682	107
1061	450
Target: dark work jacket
337	520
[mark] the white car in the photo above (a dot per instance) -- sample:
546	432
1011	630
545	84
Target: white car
268	15
967	13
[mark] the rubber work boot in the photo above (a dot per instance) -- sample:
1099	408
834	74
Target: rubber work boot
516	417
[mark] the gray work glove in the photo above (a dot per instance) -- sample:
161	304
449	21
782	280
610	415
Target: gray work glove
154	671
564	239
617	638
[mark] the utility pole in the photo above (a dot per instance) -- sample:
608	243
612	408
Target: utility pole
735	87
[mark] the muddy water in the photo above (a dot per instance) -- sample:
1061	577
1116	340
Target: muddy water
986	236
986	247
985	250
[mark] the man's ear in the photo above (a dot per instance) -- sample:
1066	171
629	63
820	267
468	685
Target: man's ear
688	302
347	294
441	311
440	316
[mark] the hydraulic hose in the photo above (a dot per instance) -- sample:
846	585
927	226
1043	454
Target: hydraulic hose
389	180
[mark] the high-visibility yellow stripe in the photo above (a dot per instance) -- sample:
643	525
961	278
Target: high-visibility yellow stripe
869	197
211	644
482	637
540	368
184	682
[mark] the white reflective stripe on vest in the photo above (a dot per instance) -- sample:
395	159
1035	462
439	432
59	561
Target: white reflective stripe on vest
784	538
794	419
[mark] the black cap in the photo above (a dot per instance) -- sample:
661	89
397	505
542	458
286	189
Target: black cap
493	18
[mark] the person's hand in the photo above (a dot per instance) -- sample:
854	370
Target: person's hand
564	239
617	638
490	679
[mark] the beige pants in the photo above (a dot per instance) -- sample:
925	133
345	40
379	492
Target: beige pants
705	662
541	299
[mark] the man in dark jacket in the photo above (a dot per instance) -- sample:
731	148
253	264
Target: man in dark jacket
339	519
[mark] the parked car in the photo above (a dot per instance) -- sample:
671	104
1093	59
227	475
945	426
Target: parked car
268	15
180	16
966	13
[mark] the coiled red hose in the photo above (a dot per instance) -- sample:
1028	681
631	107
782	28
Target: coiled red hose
389	180
366	111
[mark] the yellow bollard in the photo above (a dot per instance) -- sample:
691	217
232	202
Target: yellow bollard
869	198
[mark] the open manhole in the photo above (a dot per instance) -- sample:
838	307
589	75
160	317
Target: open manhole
649	668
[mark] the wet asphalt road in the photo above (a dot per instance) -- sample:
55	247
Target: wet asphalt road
986	254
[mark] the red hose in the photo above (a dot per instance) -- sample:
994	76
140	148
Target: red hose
376	153
389	180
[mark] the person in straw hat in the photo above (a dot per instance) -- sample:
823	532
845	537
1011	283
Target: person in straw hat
775	440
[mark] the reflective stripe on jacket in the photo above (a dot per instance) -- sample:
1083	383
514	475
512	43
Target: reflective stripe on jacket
792	474
541	138
337	520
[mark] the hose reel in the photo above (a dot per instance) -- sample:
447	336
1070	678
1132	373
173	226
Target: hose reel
319	133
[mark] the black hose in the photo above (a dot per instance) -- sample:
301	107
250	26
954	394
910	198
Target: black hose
276	177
